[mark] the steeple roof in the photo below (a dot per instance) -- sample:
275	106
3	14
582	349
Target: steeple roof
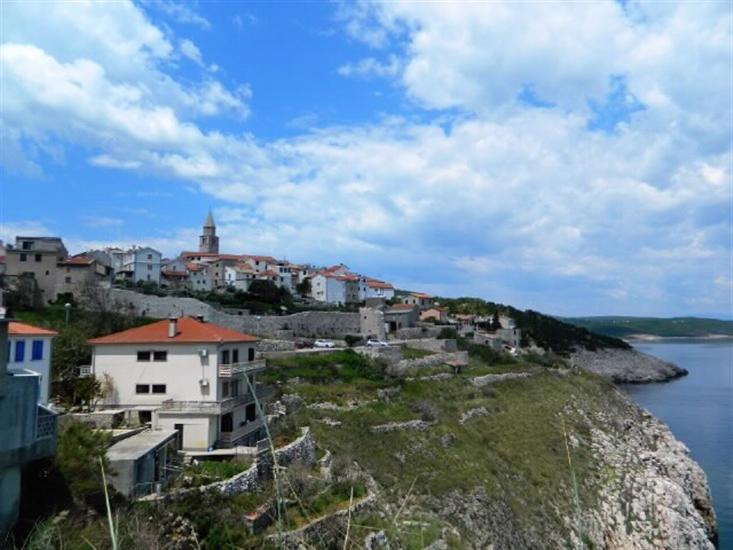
209	220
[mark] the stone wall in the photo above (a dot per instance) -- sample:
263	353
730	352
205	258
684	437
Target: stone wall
372	322
409	365
312	324
432	344
425	331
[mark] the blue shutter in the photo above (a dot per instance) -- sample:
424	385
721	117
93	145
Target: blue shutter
19	351
37	350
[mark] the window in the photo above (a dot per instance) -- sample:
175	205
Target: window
19	351
142	388
225	389
47	272
27	245
225	357
160	356
143	356
251	354
235	388
23	257
150	256
150	267
37	350
38	257
67	280
235	356
158	388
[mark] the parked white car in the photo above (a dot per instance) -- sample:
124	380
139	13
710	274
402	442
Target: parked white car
323	344
377	343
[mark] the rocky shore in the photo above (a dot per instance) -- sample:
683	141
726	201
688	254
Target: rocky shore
626	366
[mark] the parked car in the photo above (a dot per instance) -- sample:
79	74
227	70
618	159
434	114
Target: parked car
323	344
377	343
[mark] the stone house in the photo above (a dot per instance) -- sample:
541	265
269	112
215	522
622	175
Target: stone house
420	299
38	256
436	314
185	375
399	316
239	276
78	272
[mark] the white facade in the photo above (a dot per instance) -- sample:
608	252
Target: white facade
328	289
238	277
143	264
199	389
32	352
200	278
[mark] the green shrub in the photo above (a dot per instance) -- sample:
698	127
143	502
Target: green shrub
78	452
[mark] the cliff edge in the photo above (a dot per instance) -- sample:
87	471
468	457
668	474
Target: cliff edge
626	366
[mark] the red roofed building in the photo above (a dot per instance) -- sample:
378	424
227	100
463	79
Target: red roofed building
187	375
29	348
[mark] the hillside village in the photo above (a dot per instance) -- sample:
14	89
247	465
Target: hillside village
186	387
180	397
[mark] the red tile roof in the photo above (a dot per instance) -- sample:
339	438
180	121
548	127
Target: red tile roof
378	284
77	261
189	330
402	306
22	329
173	274
267	259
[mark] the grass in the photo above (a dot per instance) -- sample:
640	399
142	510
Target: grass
210	471
412	353
345	366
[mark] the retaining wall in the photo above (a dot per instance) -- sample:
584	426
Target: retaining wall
312	324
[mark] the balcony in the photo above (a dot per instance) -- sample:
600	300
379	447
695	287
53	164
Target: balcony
228	440
216	407
238	369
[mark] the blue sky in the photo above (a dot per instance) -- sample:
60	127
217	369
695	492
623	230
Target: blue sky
569	157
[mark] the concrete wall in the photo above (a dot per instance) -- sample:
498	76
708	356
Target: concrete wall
431	344
200	431
328	324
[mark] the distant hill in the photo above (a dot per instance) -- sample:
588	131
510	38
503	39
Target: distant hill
623	327
547	332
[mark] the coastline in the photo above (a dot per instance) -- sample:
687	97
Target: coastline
656	338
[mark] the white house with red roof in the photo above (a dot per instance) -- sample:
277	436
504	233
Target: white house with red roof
30	348
185	374
332	288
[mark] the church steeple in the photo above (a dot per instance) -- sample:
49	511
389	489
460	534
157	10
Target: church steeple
208	241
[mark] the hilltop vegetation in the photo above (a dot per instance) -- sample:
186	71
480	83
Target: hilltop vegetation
679	327
547	332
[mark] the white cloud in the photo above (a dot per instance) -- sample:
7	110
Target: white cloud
190	50
370	67
24	228
179	12
506	200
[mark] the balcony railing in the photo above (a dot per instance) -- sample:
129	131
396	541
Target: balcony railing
85	371
216	407
45	423
228	439
238	369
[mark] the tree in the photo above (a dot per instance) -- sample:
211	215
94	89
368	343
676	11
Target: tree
78	452
304	287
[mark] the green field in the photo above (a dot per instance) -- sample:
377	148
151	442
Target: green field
680	327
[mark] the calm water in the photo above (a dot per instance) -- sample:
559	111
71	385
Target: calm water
698	408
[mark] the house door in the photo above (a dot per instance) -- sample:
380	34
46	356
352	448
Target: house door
179	437
227	423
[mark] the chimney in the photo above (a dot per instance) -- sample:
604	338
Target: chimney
172	327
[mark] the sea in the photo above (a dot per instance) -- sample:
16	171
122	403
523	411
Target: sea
698	408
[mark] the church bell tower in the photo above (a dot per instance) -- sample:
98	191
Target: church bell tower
208	241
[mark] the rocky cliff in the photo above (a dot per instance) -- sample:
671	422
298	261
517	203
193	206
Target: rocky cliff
626	365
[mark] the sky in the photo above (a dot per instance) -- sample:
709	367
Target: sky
569	157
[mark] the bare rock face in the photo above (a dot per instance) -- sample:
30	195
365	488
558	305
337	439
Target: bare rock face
626	365
657	497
